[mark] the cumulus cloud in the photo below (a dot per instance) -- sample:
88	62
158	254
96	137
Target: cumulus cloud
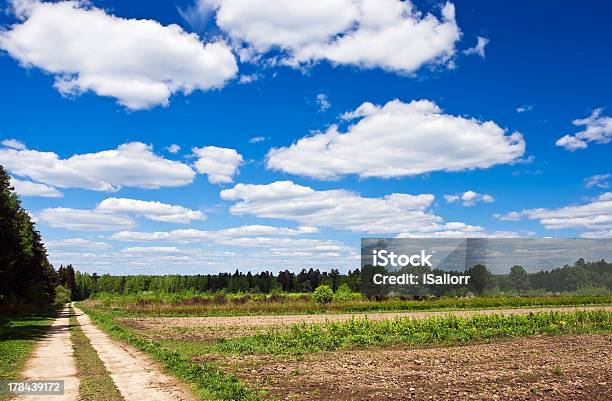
597	128
79	45
220	164
388	34
132	165
116	214
408	139
29	188
84	220
339	209
598	180
13	144
151	210
469	198
595	216
479	47
174	148
323	102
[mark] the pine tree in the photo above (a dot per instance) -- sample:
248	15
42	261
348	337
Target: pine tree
26	276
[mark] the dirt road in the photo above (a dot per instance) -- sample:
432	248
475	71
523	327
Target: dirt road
53	359
135	375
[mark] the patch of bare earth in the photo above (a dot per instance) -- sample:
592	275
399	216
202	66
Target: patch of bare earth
572	367
216	328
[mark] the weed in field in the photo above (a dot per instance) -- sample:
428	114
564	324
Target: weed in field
362	333
289	303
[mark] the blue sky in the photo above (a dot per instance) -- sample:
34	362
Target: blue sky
65	66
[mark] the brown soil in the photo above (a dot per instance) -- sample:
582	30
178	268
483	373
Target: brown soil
215	328
573	367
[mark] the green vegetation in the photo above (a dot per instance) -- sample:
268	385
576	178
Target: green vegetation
62	295
18	335
323	294
205	379
95	381
27	279
358	333
189	304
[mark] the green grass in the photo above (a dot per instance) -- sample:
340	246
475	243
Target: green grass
95	381
205	379
18	335
164	305
361	333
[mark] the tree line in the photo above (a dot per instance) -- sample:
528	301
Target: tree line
26	276
568	278
27	279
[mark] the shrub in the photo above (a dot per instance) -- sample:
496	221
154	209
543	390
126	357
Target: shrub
62	295
343	293
323	294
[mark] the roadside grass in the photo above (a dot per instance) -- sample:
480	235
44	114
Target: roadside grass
18	336
205	379
207	305
95	381
363	333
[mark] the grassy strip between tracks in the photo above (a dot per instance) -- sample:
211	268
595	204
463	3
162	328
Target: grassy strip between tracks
205	379
362	333
95	381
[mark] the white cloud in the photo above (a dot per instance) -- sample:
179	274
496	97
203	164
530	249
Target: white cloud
598	180
132	164
220	164
84	220
479	48
139	62
524	109
595	216
323	102
597	129
339	209
469	198
13	144
150	210
388	34
248	78
29	188
152	249
174	148
399	139
258	139
219	236
116	214
77	244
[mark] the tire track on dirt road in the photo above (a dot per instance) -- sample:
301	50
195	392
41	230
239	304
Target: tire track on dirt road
135	375
53	359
